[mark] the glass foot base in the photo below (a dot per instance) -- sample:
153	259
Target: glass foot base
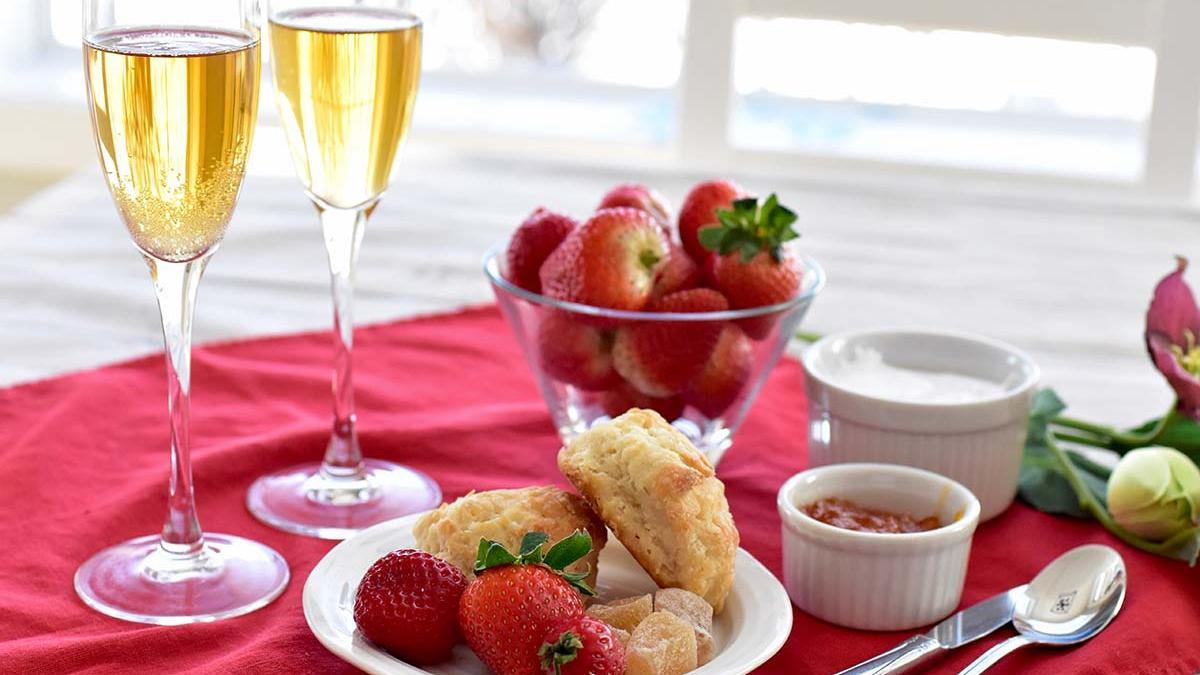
303	500
139	581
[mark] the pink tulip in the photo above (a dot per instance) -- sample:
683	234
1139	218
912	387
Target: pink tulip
1172	328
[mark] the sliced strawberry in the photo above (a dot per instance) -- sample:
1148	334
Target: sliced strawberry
609	261
576	353
659	358
722	379
752	267
638	196
678	273
699	211
533	242
621	398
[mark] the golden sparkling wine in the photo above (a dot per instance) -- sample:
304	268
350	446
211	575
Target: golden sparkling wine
346	79
174	112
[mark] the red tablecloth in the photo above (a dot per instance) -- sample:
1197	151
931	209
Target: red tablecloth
83	464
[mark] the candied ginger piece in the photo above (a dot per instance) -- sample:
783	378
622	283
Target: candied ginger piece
625	613
693	609
662	644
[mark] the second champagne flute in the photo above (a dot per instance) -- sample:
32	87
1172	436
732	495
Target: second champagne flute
346	76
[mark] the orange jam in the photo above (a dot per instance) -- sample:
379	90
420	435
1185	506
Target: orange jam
850	516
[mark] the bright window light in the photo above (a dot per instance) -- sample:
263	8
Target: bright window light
66	22
600	70
949	97
949	69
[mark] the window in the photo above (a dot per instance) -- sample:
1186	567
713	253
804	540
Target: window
1099	92
590	70
958	98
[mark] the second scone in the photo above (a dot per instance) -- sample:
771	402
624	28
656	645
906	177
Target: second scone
660	496
452	531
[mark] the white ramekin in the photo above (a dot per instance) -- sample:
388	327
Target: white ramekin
877	581
977	443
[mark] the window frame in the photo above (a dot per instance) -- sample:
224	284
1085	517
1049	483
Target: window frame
706	99
1168	27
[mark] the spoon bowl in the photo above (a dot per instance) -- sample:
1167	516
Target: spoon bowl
1075	597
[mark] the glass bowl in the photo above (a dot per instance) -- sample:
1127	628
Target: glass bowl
709	365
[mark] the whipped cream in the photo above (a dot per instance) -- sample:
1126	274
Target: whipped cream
863	371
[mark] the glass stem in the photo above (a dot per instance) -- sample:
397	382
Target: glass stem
175	284
343	230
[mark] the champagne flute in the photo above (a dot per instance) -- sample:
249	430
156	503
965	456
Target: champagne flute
173	87
346	75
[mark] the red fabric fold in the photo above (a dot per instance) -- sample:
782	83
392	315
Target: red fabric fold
83	465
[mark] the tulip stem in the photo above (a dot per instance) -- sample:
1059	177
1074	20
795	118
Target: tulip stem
806	336
1082	440
1114	439
1088	502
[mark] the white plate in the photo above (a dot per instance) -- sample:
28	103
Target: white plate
756	621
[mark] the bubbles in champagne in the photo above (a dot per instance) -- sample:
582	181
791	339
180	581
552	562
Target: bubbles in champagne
174	114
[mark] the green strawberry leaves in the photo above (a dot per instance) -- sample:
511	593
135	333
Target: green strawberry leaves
492	554
531	544
563	651
568	550
751	228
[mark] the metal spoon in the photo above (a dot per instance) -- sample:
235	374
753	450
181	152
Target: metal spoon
1069	601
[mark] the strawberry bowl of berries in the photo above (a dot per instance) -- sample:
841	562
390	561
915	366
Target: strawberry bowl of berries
630	309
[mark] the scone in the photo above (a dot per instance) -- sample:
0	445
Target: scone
660	497
452	531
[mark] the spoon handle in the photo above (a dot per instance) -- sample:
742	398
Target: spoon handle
898	659
991	656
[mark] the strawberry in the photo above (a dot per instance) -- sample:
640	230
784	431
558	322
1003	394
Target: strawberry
515	600
623	397
699	211
638	196
678	273
609	261
407	603
576	353
752	267
721	380
659	358
534	241
584	645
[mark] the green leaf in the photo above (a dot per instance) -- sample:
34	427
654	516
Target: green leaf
746	206
1180	433
1183	546
1046	406
711	237
563	651
492	554
568	550
1041	483
749	250
1046	490
751	228
531	546
576	579
1095	477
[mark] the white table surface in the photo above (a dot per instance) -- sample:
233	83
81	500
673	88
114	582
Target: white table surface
1067	282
